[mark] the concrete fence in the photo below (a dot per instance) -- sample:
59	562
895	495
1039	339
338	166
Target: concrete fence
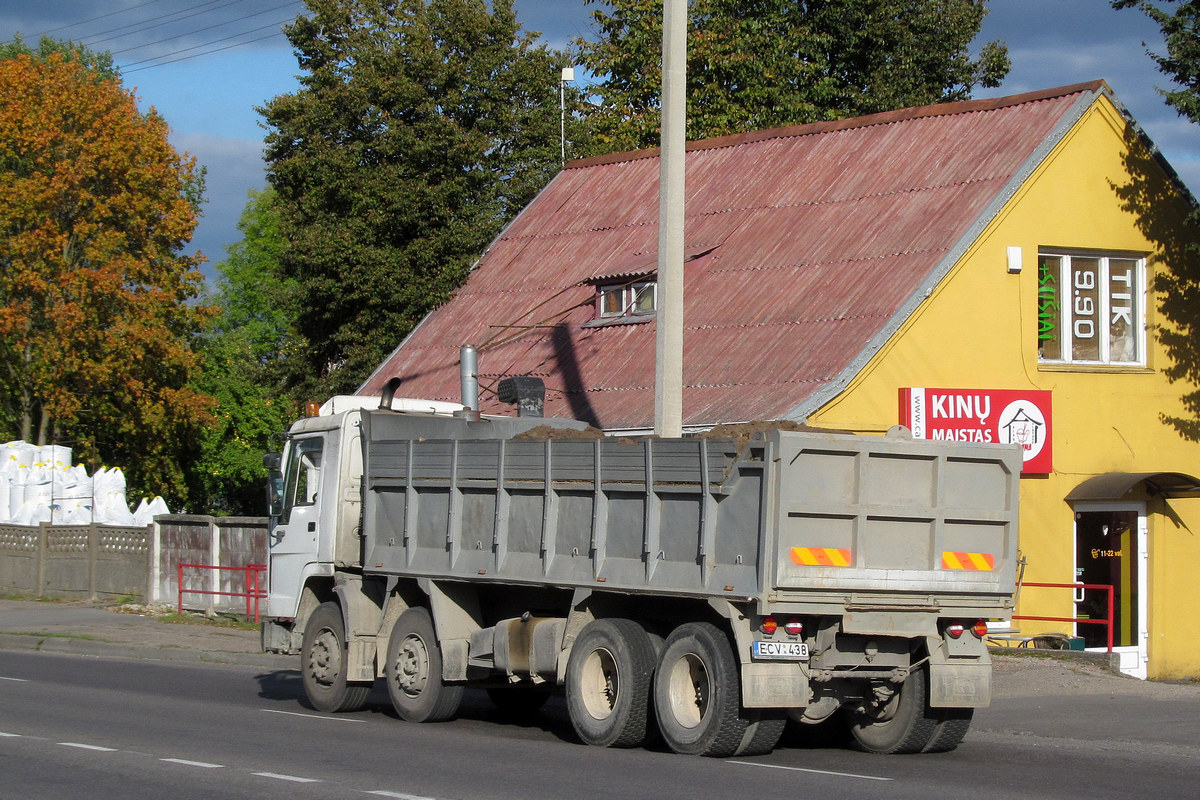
99	562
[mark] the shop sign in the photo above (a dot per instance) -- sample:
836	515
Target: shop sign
1000	416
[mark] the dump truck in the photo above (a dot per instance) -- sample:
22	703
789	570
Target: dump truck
703	591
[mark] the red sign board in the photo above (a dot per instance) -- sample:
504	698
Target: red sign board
1000	416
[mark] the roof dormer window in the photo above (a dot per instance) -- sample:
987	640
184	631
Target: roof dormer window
617	300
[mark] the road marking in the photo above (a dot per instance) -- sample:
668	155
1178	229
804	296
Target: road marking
187	763
814	771
399	795
14	680
10	735
279	777
95	747
309	716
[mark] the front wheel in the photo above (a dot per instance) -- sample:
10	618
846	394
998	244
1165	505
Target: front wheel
414	671
323	663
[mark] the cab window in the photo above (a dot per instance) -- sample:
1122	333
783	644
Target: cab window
303	473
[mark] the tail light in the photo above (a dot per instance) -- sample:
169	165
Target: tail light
956	629
794	627
769	626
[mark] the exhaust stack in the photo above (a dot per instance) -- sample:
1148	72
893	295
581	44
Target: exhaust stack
468	360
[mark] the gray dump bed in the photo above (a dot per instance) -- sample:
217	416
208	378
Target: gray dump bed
784	518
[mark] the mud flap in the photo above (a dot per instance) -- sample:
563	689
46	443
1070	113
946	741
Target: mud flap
958	682
774	686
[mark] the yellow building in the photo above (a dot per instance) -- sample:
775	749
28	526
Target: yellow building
1115	506
985	257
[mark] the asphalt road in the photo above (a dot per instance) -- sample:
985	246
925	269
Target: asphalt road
79	727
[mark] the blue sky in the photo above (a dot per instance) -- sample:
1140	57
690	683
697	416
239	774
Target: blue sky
205	65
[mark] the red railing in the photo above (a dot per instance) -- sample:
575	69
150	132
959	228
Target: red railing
254	591
1107	622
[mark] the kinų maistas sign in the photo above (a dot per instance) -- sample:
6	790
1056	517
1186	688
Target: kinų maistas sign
1001	416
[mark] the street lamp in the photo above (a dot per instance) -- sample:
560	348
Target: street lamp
568	74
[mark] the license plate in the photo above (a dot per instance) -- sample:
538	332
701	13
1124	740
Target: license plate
781	651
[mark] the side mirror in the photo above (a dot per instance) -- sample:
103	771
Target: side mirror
275	493
272	461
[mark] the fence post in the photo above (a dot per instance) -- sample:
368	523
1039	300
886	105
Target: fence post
93	548
215	559
154	591
42	529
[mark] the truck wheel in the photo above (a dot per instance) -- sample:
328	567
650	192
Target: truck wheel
908	724
414	671
323	660
696	693
608	683
762	734
952	726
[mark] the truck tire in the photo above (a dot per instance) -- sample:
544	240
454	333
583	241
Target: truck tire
913	727
608	683
762	734
323	663
414	671
952	726
696	693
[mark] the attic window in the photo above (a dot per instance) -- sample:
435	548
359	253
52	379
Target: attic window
1091	309
617	300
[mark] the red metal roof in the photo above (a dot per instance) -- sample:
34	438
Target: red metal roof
808	246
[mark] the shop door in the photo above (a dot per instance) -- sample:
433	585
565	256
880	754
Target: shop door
1110	547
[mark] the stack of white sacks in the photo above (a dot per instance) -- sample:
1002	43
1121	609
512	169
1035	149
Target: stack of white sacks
38	484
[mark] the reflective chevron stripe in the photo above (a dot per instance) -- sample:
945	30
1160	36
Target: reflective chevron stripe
821	556
969	561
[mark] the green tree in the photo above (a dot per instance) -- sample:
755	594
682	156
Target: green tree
100	63
1181	33
1177	283
421	127
244	354
755	64
97	317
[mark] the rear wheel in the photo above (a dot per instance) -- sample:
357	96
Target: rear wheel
608	683
696	694
414	671
323	663
763	733
906	724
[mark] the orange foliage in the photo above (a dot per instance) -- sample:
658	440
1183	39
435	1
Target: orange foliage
96	323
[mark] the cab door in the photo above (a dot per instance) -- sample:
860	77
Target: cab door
292	544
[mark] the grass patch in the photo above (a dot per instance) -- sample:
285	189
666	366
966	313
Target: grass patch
218	621
59	636
27	599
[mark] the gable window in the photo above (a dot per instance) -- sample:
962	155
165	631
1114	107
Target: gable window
1091	308
627	299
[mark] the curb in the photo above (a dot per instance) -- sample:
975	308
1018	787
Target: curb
41	643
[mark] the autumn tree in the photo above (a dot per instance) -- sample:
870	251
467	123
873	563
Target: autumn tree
1177	283
755	64
420	128
96	311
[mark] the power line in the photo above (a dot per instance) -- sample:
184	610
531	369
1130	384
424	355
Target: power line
102	16
179	17
205	53
140	27
208	28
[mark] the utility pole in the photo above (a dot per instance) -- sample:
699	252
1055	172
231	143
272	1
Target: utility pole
668	371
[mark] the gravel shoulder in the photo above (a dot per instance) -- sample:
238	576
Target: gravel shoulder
1039	675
